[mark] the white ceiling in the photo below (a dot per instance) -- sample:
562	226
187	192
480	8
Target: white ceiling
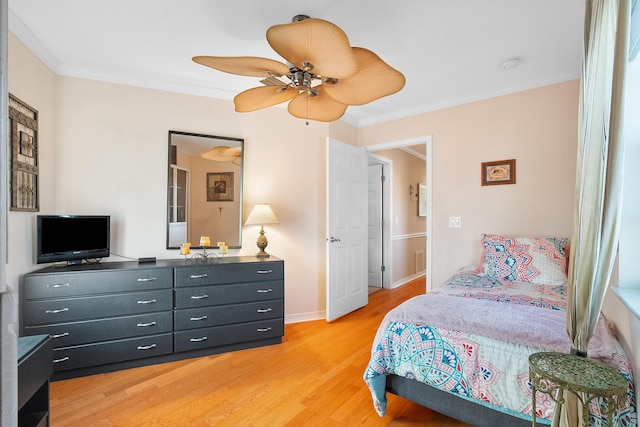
449	51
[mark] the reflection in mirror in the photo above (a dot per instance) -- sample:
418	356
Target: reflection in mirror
204	189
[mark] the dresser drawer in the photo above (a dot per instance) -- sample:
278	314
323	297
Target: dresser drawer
111	351
88	331
227	314
201	296
229	334
228	273
66	310
96	282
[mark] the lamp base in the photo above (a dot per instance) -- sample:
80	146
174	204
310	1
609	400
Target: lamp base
262	243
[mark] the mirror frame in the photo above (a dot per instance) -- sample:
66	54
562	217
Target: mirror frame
239	196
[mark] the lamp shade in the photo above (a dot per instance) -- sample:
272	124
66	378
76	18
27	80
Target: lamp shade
261	214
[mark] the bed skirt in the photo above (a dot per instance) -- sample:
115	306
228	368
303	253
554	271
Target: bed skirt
454	406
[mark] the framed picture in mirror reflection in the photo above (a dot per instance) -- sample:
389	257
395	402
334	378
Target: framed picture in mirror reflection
220	187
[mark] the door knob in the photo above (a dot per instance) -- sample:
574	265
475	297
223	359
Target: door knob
333	239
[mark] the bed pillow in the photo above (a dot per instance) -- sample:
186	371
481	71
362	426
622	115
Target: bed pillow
539	260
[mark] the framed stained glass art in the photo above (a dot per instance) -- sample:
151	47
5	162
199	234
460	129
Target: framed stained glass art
23	156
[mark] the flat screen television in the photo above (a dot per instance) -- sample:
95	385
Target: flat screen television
72	238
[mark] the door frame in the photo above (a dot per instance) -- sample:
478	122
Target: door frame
387	172
424	139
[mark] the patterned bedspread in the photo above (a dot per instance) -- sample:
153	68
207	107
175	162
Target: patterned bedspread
472	337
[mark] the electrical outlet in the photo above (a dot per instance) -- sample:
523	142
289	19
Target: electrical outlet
455	222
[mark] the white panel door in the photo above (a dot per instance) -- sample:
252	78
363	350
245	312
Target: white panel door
374	223
346	229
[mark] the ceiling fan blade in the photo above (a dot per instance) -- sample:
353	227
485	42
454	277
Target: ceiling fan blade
375	79
262	97
321	107
244	65
315	41
223	154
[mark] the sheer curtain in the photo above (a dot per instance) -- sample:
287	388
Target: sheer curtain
598	196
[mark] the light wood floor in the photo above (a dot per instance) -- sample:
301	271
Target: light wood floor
314	378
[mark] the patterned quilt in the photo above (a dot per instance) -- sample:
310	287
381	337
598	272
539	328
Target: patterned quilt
472	337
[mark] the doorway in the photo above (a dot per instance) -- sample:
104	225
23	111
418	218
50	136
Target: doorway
346	281
422	148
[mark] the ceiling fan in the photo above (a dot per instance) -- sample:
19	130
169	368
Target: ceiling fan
325	75
223	153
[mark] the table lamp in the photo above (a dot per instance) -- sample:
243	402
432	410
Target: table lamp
260	215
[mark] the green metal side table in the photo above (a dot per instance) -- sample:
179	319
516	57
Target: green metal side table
551	371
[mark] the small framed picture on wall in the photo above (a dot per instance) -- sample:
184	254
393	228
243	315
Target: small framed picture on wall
498	172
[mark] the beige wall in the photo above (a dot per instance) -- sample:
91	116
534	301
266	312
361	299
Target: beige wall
33	83
536	127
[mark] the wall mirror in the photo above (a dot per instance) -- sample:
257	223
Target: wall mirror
204	189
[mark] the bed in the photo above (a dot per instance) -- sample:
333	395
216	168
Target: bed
463	349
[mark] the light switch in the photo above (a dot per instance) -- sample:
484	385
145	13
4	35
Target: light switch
455	222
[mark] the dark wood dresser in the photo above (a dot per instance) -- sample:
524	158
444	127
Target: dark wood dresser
110	316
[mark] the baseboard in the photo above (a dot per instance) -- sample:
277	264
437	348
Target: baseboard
407	279
305	317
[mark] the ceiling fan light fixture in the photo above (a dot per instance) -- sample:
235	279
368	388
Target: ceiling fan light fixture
326	76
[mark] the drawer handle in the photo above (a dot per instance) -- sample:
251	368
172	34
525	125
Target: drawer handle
198	339
64	334
264	310
147	279
265	271
264	329
64	359
196	319
58	285
199	296
198	276
57	311
144	325
146	347
264	291
149	301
